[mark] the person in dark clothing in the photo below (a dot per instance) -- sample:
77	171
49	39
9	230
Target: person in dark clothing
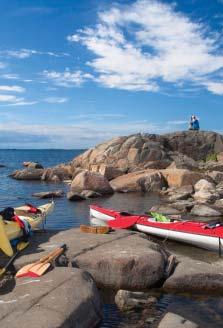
194	123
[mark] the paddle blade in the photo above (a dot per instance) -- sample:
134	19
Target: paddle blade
39	270
24	271
123	223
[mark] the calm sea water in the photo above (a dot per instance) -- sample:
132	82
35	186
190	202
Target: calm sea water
66	214
206	311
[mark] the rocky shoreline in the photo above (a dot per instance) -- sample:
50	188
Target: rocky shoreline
184	168
121	260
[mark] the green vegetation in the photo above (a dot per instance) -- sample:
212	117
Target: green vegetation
211	157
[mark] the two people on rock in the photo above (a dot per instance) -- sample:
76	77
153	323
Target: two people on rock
194	123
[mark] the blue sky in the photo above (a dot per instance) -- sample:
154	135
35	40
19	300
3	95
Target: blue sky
76	73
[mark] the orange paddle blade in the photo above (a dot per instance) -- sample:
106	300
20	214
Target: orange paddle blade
25	271
39	270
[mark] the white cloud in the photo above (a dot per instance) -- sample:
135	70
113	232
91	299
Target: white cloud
149	44
77	135
26	53
97	117
9	98
177	122
12	88
67	78
12	100
22	102
215	87
56	100
10	76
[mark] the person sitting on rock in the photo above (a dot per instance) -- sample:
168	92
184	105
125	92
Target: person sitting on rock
194	123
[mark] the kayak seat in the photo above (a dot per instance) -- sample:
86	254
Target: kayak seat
125	214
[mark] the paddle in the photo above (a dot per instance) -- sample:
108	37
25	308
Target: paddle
39	269
24	271
123	223
20	246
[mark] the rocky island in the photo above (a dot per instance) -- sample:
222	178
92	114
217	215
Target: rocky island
185	169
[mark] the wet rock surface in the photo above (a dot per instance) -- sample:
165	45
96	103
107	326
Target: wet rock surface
126	300
173	320
49	194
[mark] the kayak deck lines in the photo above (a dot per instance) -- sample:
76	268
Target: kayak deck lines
200	234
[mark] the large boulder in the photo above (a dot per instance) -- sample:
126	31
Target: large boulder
110	172
195	144
205	196
27	174
61	298
204	210
204	185
125	152
87	180
180	177
181	161
145	180
57	174
149	151
196	275
133	263
165	209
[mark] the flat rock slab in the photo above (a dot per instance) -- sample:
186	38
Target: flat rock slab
41	243
122	259
196	275
61	298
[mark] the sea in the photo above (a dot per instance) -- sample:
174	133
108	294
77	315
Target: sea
205	310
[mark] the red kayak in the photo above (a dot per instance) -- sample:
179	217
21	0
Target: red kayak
201	234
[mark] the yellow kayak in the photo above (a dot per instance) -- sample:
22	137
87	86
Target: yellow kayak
10	230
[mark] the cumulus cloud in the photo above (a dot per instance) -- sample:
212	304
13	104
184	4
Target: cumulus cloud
67	78
215	87
149	44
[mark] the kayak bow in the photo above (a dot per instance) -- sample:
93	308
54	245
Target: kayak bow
10	230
